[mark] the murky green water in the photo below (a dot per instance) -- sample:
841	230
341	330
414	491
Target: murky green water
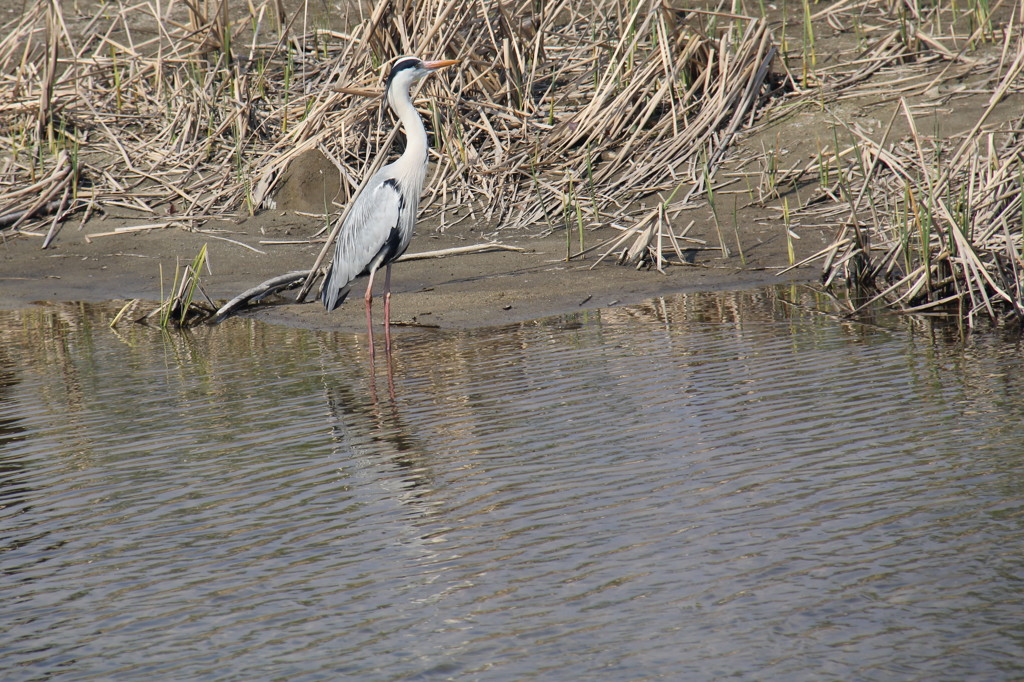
703	487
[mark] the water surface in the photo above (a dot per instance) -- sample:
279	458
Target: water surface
700	487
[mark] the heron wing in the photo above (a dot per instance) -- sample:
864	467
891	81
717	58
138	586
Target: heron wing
370	224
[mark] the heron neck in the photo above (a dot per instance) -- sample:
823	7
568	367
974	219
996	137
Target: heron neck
415	134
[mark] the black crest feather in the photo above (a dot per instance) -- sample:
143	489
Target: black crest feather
401	65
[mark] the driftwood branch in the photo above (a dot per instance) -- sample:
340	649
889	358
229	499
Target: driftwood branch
271	286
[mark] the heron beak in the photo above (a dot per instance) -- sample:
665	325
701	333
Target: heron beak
440	64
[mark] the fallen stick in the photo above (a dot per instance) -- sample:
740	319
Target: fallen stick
59	177
287	242
133	228
456	250
271	286
233	241
52	233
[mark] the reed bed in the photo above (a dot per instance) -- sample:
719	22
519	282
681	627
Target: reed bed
936	225
589	105
930	223
557	109
562	115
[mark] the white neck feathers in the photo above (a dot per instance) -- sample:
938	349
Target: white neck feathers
415	153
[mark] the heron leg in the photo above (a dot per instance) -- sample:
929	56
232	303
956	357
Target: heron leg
387	308
369	304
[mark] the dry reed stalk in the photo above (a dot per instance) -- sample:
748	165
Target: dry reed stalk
945	227
520	92
600	106
203	119
955	238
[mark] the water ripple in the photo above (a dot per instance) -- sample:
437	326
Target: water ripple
697	489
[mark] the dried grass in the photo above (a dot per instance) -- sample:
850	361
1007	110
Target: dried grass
601	103
562	115
949	235
934	224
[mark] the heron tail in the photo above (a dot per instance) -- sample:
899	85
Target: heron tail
333	293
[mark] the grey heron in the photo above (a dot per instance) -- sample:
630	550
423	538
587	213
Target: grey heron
379	225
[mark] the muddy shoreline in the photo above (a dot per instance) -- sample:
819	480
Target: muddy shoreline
460	291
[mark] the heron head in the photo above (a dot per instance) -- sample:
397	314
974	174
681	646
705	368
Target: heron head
407	70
